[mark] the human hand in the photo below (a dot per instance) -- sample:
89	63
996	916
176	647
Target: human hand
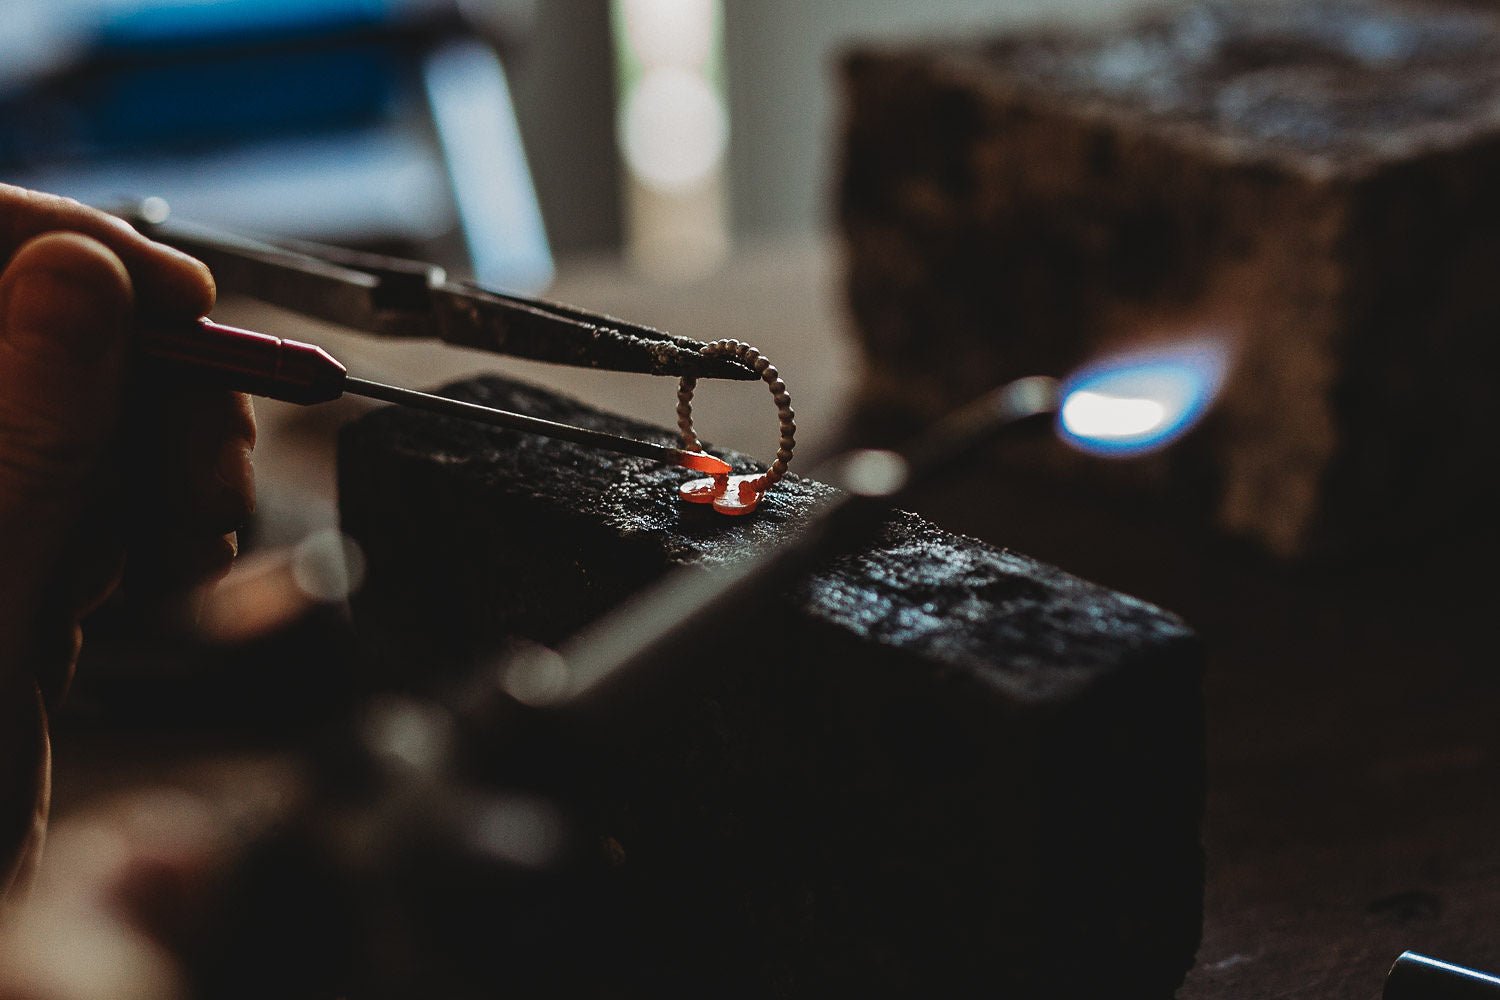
94	464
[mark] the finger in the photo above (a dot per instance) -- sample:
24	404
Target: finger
94	564
25	782
56	642
198	561
96	572
89	569
175	568
201	439
196	445
168	281
65	302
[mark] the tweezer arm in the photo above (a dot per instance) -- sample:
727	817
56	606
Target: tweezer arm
392	297
469	315
384	301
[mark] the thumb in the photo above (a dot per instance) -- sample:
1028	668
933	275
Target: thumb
65	304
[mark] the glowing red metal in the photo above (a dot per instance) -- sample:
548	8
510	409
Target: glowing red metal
732	495
702	461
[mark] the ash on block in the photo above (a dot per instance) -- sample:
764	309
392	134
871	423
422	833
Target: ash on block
932	768
1314	179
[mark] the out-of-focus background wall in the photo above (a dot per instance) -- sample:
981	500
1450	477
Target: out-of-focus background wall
783	93
780	94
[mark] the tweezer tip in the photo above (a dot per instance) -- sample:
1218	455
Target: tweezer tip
669	355
682	357
698	366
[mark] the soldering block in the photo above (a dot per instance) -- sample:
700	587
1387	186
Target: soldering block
933	767
1311	180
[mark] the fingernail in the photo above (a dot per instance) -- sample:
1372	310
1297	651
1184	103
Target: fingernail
236	469
231	500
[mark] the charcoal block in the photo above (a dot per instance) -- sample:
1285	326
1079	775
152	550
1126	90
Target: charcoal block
1311	179
932	767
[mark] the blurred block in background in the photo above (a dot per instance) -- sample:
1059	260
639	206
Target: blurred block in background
1313	182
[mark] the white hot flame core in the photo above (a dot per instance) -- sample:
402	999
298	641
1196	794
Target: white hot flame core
1132	403
1098	415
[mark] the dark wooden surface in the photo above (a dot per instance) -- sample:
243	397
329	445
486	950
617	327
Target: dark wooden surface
1354	752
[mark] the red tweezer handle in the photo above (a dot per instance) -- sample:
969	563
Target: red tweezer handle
257	363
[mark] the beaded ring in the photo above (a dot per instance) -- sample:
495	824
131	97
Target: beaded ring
737	495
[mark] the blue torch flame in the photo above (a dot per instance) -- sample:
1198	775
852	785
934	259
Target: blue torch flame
1132	403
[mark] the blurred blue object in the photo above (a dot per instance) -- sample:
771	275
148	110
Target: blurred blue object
501	223
366	122
152	24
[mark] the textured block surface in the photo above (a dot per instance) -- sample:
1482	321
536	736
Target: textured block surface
1310	179
933	767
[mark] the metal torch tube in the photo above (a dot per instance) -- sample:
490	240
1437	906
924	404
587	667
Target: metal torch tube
513	421
1418	977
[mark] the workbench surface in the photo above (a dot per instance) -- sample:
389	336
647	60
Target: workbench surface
1354	758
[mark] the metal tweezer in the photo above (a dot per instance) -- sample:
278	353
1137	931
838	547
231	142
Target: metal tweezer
392	297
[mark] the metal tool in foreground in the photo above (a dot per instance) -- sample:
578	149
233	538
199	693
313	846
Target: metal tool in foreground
395	298
1418	977
305	374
